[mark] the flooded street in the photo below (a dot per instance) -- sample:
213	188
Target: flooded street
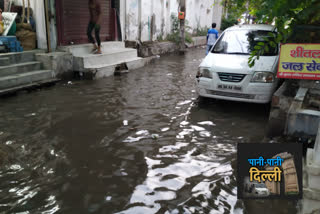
142	142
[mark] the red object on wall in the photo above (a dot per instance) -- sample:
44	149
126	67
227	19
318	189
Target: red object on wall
73	18
181	15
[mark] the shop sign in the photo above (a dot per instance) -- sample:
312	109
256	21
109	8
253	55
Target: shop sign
299	61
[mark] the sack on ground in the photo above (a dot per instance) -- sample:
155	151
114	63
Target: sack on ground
27	39
24	26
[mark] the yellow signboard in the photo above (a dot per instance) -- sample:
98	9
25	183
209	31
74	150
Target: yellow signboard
299	61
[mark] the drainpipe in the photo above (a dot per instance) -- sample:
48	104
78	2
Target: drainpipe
46	5
139	20
125	20
182	26
149	29
152	20
316	151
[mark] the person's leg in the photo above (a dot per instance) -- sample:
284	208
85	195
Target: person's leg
97	34
89	34
208	49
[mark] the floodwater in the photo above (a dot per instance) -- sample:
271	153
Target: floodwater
138	143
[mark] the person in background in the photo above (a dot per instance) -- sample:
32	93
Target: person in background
94	23
212	37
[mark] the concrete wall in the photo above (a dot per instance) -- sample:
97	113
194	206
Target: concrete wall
217	13
146	20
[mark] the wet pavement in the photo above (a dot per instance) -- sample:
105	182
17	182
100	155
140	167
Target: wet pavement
142	142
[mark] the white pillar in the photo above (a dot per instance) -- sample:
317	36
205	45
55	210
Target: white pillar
123	18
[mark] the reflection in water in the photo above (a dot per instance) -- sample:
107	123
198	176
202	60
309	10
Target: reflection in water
139	143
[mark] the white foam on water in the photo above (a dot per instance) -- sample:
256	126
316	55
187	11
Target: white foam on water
205	134
209	123
198	128
184	123
165	129
184	102
142	132
173	148
133	139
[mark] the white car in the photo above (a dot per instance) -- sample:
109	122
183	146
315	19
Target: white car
225	74
261	190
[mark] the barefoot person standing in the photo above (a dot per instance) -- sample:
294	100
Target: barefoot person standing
95	20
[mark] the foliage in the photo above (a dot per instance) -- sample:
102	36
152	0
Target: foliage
175	23
286	15
270	42
174	36
235	8
228	22
201	31
160	38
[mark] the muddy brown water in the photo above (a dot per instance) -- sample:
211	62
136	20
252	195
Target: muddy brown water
137	143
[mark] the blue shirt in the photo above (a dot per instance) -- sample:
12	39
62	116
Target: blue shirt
212	36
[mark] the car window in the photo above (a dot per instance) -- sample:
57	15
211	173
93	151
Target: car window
260	185
242	42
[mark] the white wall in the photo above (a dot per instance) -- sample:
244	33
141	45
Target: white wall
217	13
139	13
131	19
39	16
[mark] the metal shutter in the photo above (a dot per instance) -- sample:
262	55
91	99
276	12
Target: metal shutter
73	19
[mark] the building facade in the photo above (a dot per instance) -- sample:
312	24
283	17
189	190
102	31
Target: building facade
144	20
147	20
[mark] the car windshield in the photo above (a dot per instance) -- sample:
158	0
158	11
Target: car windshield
242	42
260	185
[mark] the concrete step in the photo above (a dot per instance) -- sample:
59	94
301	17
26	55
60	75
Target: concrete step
18	57
105	70
4	61
28	78
128	62
19	68
33	85
111	56
80	50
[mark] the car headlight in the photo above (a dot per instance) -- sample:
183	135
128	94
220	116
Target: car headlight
264	77
204	72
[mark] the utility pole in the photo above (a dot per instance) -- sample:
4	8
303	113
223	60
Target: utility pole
182	26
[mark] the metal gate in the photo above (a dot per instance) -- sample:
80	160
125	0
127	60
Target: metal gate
73	18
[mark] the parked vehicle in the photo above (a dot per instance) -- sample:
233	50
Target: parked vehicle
260	189
225	74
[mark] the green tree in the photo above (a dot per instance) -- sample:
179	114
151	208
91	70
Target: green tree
286	15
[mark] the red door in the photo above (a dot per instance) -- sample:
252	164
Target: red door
73	19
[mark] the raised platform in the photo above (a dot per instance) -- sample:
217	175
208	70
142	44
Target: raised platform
109	56
114	57
80	50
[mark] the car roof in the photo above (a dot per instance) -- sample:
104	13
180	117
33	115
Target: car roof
252	27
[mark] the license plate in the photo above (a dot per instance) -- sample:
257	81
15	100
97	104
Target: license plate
230	87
